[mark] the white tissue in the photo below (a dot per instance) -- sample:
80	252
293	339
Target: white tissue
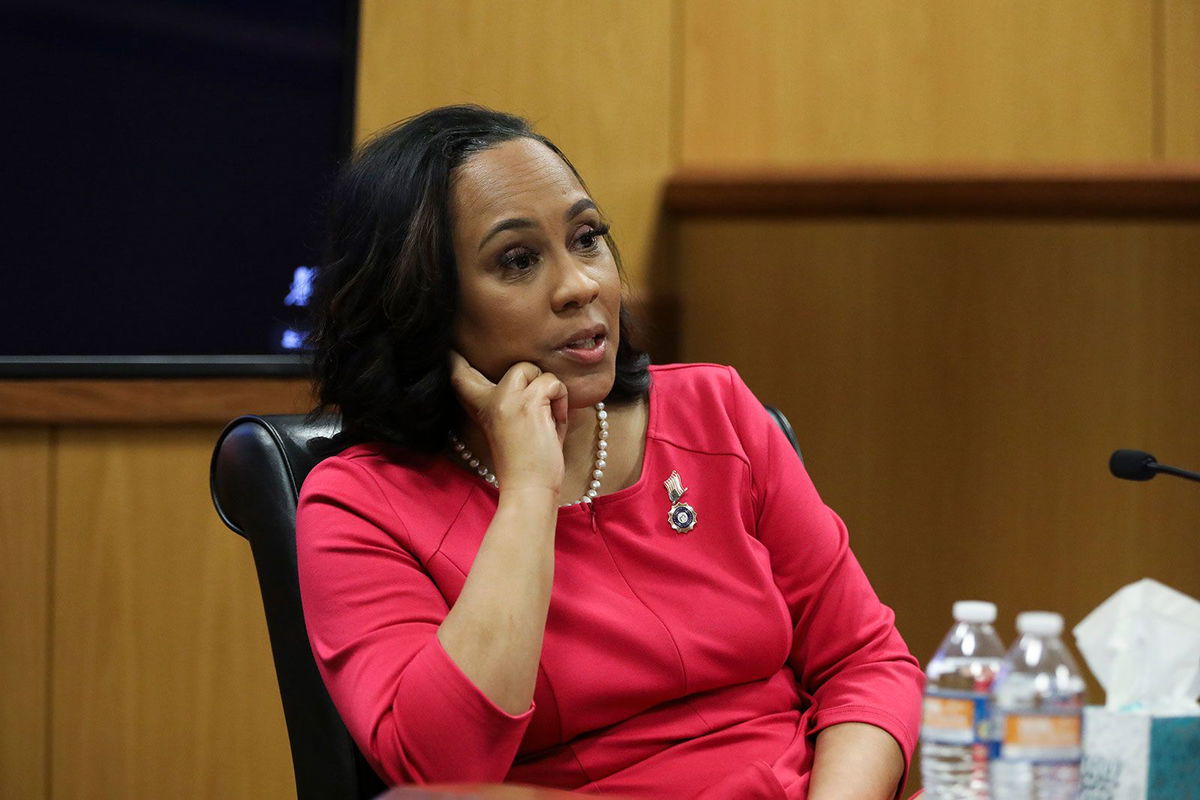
1143	645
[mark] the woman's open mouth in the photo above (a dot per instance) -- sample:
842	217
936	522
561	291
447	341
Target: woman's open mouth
585	349
584	344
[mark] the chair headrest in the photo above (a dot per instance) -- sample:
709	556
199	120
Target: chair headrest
261	459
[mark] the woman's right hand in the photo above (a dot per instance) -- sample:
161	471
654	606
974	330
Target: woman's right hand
524	418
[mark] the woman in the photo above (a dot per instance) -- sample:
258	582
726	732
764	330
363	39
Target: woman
544	561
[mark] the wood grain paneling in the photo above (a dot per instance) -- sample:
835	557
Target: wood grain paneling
162	680
1149	190
144	402
25	490
594	78
1181	76
781	81
957	388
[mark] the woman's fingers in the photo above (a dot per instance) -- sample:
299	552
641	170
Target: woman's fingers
550	390
558	408
523	416
519	375
479	394
465	378
476	391
555	393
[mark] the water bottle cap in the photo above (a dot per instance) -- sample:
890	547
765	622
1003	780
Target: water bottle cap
1040	623
974	611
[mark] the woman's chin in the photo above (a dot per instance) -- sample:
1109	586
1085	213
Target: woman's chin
587	390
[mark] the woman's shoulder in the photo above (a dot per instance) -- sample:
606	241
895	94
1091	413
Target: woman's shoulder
696	371
700	385
377	468
697	377
701	403
369	456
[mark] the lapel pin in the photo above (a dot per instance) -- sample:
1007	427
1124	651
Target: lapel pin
681	516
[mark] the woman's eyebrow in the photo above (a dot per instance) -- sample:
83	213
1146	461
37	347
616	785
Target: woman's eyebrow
515	223
578	207
506	225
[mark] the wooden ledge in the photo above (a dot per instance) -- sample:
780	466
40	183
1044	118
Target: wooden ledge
149	401
1165	191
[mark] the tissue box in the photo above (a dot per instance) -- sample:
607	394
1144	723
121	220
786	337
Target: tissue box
1128	755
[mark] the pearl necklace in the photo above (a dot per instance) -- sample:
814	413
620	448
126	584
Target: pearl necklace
601	460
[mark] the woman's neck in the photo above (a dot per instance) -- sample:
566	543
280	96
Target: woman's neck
580	438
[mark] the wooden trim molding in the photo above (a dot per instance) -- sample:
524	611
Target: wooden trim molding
1170	191
148	401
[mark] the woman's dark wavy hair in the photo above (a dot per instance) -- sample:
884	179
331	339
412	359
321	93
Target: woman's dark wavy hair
385	299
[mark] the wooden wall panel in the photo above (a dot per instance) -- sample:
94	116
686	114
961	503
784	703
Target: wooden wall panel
957	388
1181	74
25	490
817	81
162	681
595	79
148	401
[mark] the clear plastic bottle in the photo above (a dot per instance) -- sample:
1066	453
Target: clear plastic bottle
1037	708
954	734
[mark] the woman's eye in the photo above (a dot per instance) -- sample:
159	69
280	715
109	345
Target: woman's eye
519	259
589	238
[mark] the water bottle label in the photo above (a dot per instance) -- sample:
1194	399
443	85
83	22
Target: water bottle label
1042	737
954	718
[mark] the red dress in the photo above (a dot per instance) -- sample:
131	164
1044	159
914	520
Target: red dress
673	664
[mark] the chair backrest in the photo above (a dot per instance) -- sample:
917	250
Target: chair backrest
783	423
258	466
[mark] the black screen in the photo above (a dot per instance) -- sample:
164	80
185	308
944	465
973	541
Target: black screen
168	160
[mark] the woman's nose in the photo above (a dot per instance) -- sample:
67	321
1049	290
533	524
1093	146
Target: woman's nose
575	286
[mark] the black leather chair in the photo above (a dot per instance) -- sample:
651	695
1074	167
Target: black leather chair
257	468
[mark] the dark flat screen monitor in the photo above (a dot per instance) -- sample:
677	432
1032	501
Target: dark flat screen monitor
167	162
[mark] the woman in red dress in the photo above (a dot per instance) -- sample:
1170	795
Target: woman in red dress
540	559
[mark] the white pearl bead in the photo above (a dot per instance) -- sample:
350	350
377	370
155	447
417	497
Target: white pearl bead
602	414
482	470
601	463
591	493
603	436
474	462
459	447
597	473
595	484
602	453
603	425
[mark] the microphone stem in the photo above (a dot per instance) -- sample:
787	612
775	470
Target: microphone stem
1182	473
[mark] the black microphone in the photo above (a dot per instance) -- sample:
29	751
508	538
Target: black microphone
1136	465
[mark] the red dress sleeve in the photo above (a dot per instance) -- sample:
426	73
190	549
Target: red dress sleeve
372	613
849	659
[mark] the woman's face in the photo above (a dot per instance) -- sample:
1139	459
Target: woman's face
537	281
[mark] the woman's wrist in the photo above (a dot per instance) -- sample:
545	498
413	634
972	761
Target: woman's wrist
528	495
527	511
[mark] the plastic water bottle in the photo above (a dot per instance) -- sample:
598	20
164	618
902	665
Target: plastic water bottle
954	734
1038	714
